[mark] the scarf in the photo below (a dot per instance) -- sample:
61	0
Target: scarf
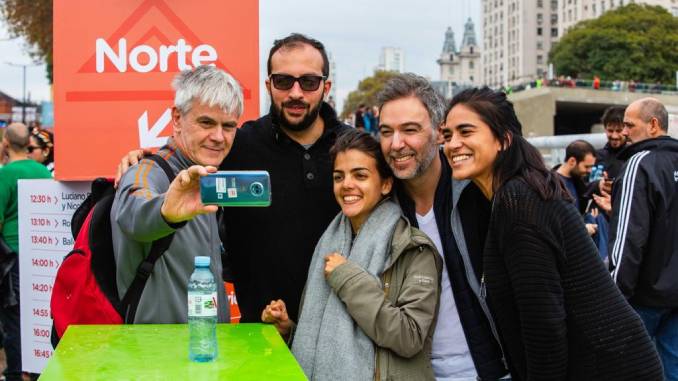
328	344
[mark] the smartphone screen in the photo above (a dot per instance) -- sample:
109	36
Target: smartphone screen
236	188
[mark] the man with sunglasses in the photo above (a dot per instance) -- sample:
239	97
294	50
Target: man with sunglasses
15	142
269	249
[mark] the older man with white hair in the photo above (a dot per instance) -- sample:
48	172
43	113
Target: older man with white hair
147	207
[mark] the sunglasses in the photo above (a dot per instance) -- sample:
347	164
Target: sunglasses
307	82
32	148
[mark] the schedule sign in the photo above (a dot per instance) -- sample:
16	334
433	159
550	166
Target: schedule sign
45	211
113	66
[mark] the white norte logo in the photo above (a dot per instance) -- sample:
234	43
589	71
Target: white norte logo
200	55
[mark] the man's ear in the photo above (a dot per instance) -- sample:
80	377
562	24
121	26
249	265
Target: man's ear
440	139
326	88
571	162
655	129
176	119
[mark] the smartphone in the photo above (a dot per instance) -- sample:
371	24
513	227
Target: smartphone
590	205
236	188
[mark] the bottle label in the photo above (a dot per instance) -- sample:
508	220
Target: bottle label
202	304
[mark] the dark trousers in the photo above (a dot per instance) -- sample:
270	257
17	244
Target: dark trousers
662	326
9	316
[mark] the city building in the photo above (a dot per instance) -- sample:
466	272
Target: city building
392	59
461	67
332	77
517	37
570	12
518	34
13	110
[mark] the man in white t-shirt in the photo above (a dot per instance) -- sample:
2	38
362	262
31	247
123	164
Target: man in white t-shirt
464	345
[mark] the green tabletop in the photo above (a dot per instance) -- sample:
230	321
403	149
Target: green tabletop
160	352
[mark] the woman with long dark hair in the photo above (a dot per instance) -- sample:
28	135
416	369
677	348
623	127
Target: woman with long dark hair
370	301
559	315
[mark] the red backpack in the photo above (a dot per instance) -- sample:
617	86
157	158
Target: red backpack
85	289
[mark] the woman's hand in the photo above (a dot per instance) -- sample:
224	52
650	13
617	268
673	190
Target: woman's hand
333	261
276	313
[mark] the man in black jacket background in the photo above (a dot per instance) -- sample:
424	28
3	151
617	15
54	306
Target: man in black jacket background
644	226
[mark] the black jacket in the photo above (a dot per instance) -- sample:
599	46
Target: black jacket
609	158
484	348
644	226
559	314
269	249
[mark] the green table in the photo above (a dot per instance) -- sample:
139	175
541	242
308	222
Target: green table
160	352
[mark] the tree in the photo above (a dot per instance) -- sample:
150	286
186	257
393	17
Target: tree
32	20
633	42
366	92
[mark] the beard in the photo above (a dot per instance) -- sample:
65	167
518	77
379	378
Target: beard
278	114
423	162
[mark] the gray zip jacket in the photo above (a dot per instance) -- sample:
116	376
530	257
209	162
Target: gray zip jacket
400	317
136	222
477	287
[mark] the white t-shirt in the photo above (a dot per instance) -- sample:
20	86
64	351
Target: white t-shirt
450	356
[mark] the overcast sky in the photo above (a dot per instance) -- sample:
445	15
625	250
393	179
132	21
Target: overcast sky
352	31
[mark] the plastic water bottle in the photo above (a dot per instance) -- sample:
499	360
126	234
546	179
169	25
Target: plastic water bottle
596	173
202	313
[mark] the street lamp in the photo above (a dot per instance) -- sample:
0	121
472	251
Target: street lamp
23	102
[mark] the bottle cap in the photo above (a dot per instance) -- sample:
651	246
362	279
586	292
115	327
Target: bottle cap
202	261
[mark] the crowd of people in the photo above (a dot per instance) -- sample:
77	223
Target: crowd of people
25	154
596	84
443	249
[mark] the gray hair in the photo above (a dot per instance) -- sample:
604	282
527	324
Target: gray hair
412	85
18	136
209	85
652	108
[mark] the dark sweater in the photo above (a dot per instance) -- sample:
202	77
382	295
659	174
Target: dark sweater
559	315
269	249
609	158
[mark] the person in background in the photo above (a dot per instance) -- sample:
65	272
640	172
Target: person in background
558	313
358	117
608	156
643	242
15	143
371	296
368	120
41	148
575	170
375	123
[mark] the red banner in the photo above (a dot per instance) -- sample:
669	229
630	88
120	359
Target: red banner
114	62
